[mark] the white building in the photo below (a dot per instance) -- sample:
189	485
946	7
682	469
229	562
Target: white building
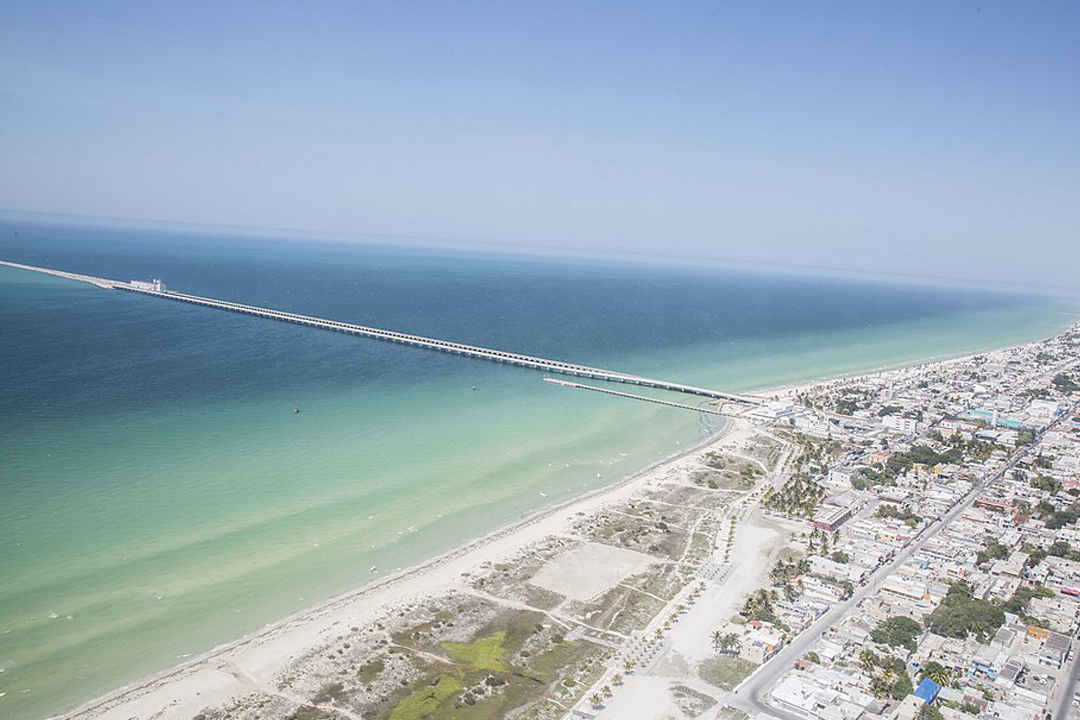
840	477
811	701
774	410
154	285
900	424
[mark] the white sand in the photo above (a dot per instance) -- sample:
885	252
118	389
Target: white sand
585	572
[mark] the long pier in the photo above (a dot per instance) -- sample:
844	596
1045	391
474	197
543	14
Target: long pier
644	398
482	353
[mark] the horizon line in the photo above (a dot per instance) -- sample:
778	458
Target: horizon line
531	249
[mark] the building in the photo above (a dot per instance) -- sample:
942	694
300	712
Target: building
840	476
154	285
797	697
909	708
830	517
927	691
760	642
1054	650
900	424
774	410
993	504
904	587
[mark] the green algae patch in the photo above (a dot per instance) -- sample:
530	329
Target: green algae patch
483	654
425	702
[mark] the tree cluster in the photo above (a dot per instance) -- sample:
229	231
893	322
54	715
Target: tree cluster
1065	383
897	631
799	497
725	643
892	512
1045	482
759	606
1054	518
961	614
888	675
1062	549
993	551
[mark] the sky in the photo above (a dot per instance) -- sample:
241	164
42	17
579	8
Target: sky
928	138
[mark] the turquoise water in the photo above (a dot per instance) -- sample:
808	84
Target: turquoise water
159	497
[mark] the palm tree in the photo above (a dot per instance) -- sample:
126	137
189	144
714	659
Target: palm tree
868	659
617	679
717	639
596	700
935	672
606	691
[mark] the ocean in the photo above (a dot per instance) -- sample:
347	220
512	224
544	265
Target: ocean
159	496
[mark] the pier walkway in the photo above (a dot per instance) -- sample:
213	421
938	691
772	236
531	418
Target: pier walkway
482	353
632	396
100	282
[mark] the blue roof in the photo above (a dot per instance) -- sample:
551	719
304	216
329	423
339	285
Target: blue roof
927	690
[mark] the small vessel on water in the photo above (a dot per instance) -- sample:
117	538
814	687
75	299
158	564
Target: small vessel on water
295	409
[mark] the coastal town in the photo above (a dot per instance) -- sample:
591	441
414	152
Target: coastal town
902	545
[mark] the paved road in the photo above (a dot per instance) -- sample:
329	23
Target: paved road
1067	688
749	696
1062	704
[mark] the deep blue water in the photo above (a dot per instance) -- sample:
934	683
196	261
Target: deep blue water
603	313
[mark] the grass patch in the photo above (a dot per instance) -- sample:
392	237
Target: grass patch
309	713
331	691
489	681
690	701
425	702
725	672
409	637
721	480
369	672
701	547
788	555
546	667
729	713
483	654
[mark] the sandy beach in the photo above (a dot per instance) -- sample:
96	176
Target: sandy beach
238	667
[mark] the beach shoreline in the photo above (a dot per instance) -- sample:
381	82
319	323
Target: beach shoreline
183	689
467	553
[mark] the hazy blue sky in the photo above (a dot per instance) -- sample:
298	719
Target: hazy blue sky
893	136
